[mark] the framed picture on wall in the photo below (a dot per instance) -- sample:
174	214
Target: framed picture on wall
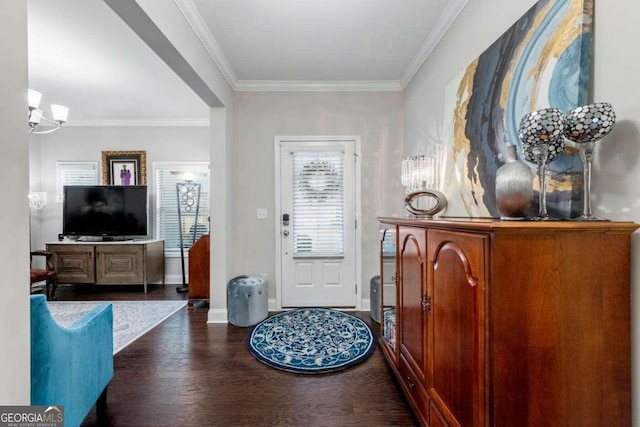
124	168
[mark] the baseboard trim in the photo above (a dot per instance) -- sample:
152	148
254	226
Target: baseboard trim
173	279
365	305
217	315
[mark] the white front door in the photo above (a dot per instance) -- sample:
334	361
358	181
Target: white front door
318	223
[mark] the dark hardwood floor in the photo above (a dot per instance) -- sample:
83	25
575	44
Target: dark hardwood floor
186	372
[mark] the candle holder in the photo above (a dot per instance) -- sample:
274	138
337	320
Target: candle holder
541	134
585	125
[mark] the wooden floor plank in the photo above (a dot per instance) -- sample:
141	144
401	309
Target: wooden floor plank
186	372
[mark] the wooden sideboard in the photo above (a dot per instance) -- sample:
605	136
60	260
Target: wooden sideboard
109	263
511	323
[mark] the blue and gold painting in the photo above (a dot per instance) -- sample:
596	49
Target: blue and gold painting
543	60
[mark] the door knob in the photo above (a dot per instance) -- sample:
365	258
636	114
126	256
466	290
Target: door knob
285	233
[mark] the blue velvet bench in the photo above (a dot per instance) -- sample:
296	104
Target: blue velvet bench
71	366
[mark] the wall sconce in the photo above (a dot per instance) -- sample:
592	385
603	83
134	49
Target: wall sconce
37	201
419	179
59	113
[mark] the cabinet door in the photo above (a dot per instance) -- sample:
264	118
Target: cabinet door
73	263
119	264
456	373
412	261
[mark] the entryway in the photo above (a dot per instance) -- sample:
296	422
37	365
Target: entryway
317	208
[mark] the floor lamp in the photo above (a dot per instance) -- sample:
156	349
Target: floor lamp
188	202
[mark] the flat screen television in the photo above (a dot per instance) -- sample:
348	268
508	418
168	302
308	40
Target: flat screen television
105	210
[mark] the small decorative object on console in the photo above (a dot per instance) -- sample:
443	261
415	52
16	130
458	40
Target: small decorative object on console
585	125
514	187
541	133
418	178
439	205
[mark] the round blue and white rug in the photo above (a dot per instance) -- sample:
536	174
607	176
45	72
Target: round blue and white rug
311	340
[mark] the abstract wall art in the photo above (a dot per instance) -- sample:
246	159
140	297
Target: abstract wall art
542	60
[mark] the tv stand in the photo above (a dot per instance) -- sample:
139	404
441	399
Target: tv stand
135	262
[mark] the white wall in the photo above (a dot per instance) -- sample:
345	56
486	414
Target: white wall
202	71
86	144
614	79
260	116
14	226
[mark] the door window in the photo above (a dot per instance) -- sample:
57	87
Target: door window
318	203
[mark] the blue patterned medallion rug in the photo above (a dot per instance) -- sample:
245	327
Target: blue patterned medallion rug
311	341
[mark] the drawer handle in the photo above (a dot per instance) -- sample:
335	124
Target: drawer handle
411	384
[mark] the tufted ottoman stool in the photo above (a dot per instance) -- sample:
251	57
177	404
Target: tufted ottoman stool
374	298
247	300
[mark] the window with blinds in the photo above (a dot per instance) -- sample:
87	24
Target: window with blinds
169	225
318	203
74	173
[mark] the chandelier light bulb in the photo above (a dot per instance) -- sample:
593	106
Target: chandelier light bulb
59	112
34	99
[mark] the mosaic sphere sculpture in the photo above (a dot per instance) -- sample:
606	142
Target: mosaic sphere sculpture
555	148
585	125
541	126
589	123
542	135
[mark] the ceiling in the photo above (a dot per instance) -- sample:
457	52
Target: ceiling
81	54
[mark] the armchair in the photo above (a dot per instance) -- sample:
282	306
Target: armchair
72	366
47	274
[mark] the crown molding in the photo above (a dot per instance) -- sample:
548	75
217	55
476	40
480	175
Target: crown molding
141	123
441	26
194	19
317	86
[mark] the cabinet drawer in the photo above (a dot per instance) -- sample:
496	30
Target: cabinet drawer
415	391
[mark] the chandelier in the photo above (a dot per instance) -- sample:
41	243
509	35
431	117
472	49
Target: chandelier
59	113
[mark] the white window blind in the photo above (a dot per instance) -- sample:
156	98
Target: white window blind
318	203
166	219
74	173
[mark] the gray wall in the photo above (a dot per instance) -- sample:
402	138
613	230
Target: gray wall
14	226
614	79
261	116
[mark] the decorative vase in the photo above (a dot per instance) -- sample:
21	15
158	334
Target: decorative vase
514	187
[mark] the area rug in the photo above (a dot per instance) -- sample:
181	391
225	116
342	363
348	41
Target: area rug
311	341
131	319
